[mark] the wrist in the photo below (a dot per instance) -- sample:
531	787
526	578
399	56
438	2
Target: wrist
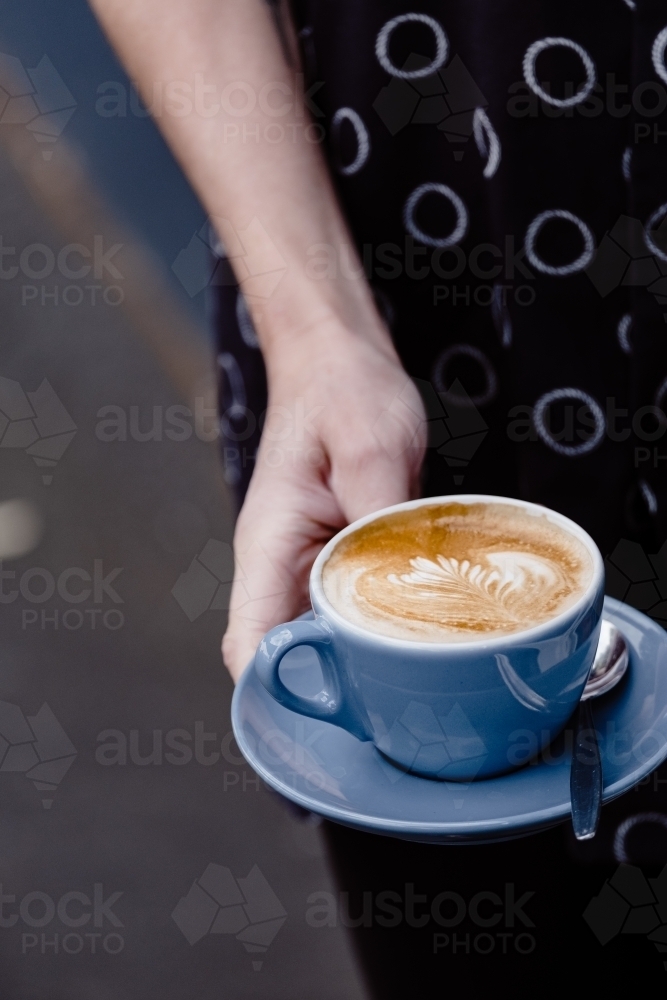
318	316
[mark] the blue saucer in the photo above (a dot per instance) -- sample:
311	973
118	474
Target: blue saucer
327	771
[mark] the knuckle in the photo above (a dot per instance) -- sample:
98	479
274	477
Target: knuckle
362	453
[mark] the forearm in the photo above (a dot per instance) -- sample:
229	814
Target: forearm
234	163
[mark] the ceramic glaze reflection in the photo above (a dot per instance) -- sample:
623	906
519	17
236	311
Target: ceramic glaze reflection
456	572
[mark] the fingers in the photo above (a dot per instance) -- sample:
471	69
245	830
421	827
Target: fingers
260	598
238	652
374	470
401	425
372	437
368	480
279	533
265	592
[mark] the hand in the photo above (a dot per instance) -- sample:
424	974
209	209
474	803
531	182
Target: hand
345	433
344	436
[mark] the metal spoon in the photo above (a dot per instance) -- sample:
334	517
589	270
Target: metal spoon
610	664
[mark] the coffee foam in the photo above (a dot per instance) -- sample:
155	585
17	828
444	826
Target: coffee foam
456	572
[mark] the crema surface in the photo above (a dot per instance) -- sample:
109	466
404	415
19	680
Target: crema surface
456	572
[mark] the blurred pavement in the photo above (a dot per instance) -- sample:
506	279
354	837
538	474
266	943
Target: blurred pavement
123	792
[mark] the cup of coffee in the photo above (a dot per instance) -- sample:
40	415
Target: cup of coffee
447	629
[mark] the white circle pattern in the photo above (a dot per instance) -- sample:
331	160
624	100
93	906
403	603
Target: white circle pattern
579	264
382	46
228	363
622	331
569	450
501	316
363	139
215	243
624	828
490	378
483	130
534	50
657	217
489	147
460	229
244	320
660	393
658	54
650	498
626	163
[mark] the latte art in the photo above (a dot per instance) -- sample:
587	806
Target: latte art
498	594
456	572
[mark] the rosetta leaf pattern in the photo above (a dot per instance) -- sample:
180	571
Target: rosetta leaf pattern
505	589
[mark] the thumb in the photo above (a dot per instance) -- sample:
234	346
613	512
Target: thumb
276	541
261	596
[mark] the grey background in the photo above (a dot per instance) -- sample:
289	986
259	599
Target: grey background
144	830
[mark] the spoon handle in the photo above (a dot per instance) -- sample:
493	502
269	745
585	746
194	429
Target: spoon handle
585	776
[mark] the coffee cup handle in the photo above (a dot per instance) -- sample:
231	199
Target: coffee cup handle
329	705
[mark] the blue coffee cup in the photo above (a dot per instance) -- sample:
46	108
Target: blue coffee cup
450	711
